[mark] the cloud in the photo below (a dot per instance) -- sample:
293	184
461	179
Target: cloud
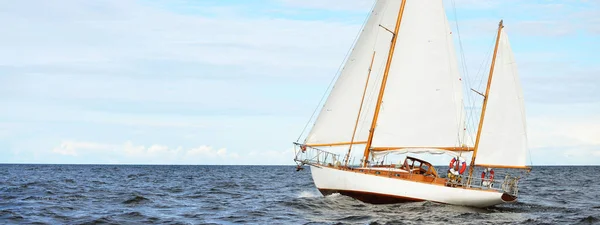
269	157
154	151
563	131
72	148
129	153
564	140
208	151
573	155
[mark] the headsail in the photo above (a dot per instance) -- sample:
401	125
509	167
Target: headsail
422	105
503	140
336	121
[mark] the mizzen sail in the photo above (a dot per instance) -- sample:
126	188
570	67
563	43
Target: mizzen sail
503	140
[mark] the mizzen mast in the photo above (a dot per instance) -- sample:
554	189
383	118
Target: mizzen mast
485	99
383	82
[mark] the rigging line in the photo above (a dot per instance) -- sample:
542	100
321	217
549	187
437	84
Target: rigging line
368	99
461	140
469	115
462	52
484	64
463	114
376	78
465	72
338	73
472	120
480	73
362	101
371	95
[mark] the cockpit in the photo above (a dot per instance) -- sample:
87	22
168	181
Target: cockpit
418	166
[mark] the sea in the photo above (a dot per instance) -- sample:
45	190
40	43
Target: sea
157	194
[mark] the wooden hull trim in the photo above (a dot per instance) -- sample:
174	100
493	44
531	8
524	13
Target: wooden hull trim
508	198
369	197
376	198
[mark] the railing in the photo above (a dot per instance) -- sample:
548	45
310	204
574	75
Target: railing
507	185
306	155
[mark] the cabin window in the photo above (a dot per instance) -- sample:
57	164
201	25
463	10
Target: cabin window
377	172
397	175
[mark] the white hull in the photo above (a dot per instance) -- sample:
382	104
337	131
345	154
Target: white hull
378	189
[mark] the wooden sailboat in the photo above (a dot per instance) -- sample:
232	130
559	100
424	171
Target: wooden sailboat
400	92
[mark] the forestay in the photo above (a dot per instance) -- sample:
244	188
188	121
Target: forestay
503	140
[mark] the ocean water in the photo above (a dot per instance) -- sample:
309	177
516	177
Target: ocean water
121	194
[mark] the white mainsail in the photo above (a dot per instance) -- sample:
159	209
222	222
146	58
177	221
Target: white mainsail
337	118
503	140
422	104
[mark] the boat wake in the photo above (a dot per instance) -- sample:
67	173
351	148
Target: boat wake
308	194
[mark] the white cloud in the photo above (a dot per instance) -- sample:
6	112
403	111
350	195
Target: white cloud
564	140
72	148
258	156
563	131
208	151
132	150
130	153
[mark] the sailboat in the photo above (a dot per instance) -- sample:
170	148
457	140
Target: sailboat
400	92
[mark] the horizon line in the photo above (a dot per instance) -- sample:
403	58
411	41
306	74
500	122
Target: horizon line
133	164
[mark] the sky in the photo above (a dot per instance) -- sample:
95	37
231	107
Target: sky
235	81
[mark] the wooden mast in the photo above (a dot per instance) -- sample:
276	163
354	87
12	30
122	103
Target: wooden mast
383	82
360	109
485	98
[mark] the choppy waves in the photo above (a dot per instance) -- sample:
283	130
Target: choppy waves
89	194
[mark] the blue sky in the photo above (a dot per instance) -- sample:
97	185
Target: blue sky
233	82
